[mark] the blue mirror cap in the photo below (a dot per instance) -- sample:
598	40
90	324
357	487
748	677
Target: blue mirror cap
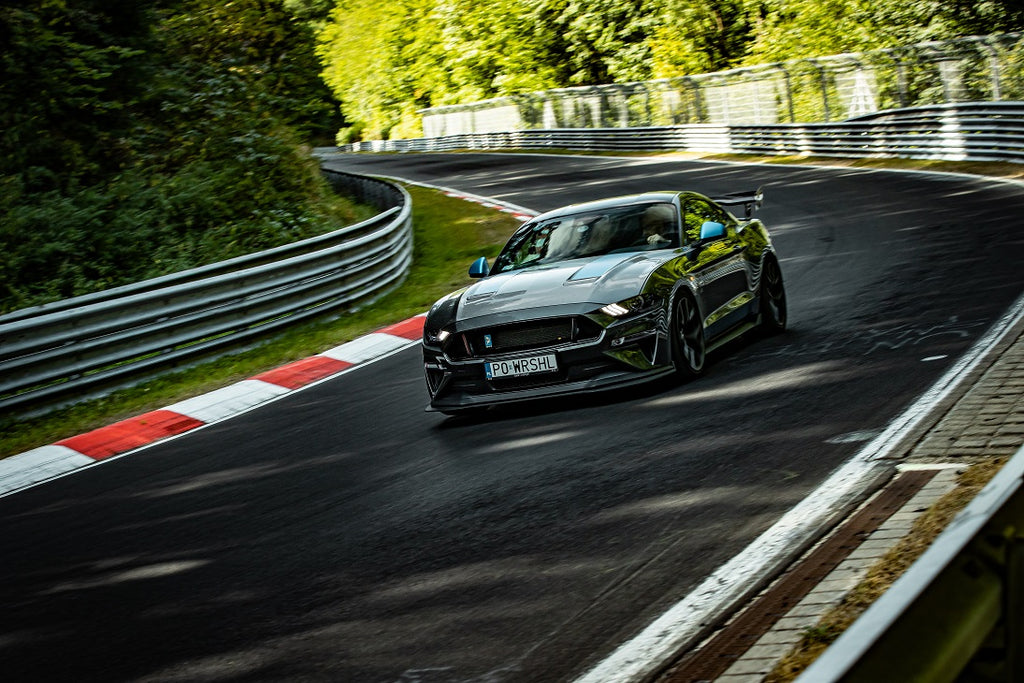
711	230
479	268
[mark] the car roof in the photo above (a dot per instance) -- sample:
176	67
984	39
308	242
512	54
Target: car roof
612	202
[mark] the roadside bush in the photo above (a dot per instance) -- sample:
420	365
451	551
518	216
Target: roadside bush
138	144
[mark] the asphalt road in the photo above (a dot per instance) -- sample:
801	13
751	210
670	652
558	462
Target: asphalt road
344	534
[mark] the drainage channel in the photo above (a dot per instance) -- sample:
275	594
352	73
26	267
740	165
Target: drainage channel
721	650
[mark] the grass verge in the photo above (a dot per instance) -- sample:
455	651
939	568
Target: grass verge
885	572
448	234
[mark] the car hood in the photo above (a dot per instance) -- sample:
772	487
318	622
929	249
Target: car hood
599	280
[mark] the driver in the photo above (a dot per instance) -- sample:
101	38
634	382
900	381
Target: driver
657	222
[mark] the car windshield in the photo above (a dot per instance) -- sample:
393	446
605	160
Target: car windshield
636	227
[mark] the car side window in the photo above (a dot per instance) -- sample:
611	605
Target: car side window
699	211
660	225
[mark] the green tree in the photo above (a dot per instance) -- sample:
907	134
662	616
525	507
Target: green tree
386	61
70	73
358	61
794	29
698	36
142	138
606	41
268	47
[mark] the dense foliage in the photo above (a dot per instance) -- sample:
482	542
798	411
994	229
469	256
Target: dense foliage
141	138
386	60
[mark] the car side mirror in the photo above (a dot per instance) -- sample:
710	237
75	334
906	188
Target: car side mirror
711	230
479	268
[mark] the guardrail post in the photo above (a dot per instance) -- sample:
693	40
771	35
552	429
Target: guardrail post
993	65
789	91
823	78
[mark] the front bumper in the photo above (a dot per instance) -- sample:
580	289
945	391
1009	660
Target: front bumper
626	352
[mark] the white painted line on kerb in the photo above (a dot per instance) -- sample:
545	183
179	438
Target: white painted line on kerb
645	653
366	348
39	464
228	401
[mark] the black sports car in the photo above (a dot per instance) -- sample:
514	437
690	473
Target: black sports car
601	295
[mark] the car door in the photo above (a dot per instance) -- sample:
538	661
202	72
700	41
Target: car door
720	266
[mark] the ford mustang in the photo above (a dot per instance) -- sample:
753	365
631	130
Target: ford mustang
601	295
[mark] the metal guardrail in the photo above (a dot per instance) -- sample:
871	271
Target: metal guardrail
86	346
957	613
973	131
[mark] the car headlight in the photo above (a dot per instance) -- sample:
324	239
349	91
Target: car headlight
435	336
636	304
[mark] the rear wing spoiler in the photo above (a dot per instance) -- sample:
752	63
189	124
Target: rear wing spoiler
751	200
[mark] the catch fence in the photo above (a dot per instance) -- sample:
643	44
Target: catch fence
820	90
978	131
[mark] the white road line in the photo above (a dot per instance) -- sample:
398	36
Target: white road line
461	194
675	629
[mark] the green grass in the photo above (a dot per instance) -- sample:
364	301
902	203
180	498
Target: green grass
448	235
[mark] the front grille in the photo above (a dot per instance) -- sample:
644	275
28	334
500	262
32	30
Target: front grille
533	334
526	336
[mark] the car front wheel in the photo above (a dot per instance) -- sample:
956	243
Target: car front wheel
688	345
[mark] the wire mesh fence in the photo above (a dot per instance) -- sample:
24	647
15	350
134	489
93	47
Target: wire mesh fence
825	89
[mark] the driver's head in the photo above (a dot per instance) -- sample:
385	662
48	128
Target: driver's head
657	219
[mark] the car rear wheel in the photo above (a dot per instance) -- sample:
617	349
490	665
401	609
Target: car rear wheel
773	298
688	345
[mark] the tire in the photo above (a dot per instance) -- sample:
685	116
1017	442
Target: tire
689	348
773	298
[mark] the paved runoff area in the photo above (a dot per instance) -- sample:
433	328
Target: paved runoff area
984	419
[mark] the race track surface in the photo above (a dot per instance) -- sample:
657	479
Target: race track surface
342	533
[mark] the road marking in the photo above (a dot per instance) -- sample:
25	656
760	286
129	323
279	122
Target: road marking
854	437
684	622
131	433
519	212
302	372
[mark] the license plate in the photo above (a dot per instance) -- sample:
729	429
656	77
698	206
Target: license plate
517	367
